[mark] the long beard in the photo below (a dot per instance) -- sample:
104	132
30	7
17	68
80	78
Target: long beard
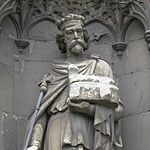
77	49
76	46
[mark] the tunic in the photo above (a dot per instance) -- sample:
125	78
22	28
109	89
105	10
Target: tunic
61	129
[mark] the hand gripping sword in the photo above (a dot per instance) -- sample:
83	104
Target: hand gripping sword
43	89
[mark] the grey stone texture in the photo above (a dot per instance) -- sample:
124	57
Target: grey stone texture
19	90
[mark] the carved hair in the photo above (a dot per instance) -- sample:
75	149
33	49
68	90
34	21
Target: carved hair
70	19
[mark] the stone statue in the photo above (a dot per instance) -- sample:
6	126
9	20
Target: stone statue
81	109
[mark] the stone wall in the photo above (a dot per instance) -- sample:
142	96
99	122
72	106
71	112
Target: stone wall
20	74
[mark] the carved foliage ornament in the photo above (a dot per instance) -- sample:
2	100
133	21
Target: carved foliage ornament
108	11
115	14
103	9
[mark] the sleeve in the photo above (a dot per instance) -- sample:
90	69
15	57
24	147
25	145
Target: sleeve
103	69
104	122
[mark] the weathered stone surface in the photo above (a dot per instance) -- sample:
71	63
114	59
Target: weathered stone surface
132	71
26	88
13	131
145	132
136	56
131	133
135	31
135	131
134	91
19	91
6	86
9	131
100	41
44	47
21	128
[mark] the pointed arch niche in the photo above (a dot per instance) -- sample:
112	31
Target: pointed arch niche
7	36
134	83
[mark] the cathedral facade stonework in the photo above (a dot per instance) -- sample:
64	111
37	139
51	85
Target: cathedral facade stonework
118	32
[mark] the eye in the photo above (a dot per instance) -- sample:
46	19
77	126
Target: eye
79	30
69	31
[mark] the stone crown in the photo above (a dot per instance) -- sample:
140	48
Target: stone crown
69	20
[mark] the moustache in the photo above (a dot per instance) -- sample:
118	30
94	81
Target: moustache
77	41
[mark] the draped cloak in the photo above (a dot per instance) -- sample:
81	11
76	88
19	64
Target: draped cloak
67	129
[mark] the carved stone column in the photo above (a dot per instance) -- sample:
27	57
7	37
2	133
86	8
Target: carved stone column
21	45
0	30
21	52
119	47
147	38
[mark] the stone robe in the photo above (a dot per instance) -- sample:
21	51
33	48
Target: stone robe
59	129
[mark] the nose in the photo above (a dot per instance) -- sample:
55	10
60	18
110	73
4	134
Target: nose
75	34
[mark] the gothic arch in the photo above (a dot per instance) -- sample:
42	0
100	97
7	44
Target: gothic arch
127	25
7	8
138	12
17	26
39	20
109	27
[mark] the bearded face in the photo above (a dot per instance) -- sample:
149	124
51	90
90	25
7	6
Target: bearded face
74	38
